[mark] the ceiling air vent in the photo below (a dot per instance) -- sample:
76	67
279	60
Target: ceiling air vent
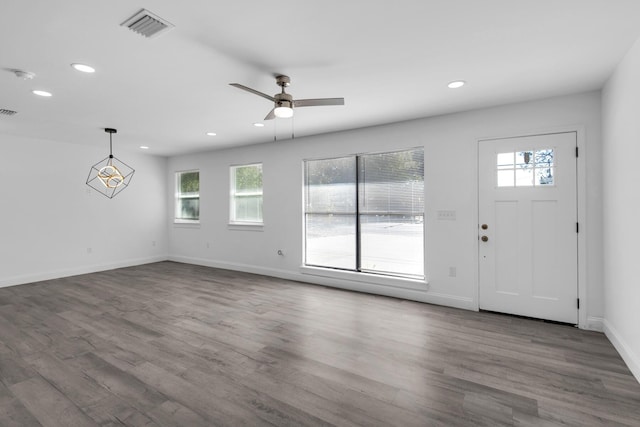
5	112
147	24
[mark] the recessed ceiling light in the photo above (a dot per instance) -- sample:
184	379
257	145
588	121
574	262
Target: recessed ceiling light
211	134
144	147
41	93
259	125
84	68
456	84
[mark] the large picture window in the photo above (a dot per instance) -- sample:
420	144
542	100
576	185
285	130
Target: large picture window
187	196
246	194
366	213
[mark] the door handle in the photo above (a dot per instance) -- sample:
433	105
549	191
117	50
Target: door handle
484	238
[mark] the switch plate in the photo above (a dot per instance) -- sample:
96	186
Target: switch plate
446	215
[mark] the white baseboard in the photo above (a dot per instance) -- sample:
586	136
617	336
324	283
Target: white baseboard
595	324
225	265
632	360
371	288
57	274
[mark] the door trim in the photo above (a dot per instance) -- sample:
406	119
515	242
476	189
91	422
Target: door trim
581	204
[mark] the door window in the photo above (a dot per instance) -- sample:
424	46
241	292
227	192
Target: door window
530	168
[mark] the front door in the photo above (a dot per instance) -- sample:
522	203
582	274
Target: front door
528	254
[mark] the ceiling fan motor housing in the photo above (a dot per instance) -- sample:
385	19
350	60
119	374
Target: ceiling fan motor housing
283	100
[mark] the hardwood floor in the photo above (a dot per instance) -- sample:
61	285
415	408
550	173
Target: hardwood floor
178	345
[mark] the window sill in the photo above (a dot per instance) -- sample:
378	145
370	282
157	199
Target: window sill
374	279
245	226
186	224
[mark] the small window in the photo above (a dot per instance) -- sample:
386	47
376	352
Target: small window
532	168
246	194
187	196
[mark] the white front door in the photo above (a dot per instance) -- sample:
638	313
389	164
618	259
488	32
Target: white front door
528	226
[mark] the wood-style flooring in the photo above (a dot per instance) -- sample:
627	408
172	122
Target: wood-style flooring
171	344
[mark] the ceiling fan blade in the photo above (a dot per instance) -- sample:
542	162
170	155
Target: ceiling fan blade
271	115
316	102
255	92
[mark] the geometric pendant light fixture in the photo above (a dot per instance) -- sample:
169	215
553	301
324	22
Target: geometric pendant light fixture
110	176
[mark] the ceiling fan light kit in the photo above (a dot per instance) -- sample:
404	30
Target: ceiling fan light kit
283	112
283	103
110	175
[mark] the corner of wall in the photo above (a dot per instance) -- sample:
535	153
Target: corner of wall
620	105
632	360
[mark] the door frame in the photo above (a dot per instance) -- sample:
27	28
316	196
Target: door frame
583	320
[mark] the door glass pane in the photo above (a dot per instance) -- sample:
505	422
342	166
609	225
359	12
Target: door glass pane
391	211
544	176
526	168
331	240
545	163
524	159
505	178
392	244
330	185
330	207
505	160
524	177
544	157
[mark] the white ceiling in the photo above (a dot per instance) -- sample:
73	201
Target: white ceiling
391	61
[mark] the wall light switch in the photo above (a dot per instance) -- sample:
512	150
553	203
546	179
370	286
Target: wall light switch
446	215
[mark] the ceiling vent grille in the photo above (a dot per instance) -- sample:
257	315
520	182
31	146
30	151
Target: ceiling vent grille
5	112
147	24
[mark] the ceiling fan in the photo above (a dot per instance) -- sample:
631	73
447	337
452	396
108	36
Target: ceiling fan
284	102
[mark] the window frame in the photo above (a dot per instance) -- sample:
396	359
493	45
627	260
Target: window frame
404	280
179	196
234	222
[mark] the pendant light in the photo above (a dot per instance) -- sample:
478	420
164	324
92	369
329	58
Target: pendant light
110	176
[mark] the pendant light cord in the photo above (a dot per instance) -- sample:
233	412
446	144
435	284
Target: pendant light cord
275	130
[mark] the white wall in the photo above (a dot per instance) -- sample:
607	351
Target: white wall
49	217
450	144
621	151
